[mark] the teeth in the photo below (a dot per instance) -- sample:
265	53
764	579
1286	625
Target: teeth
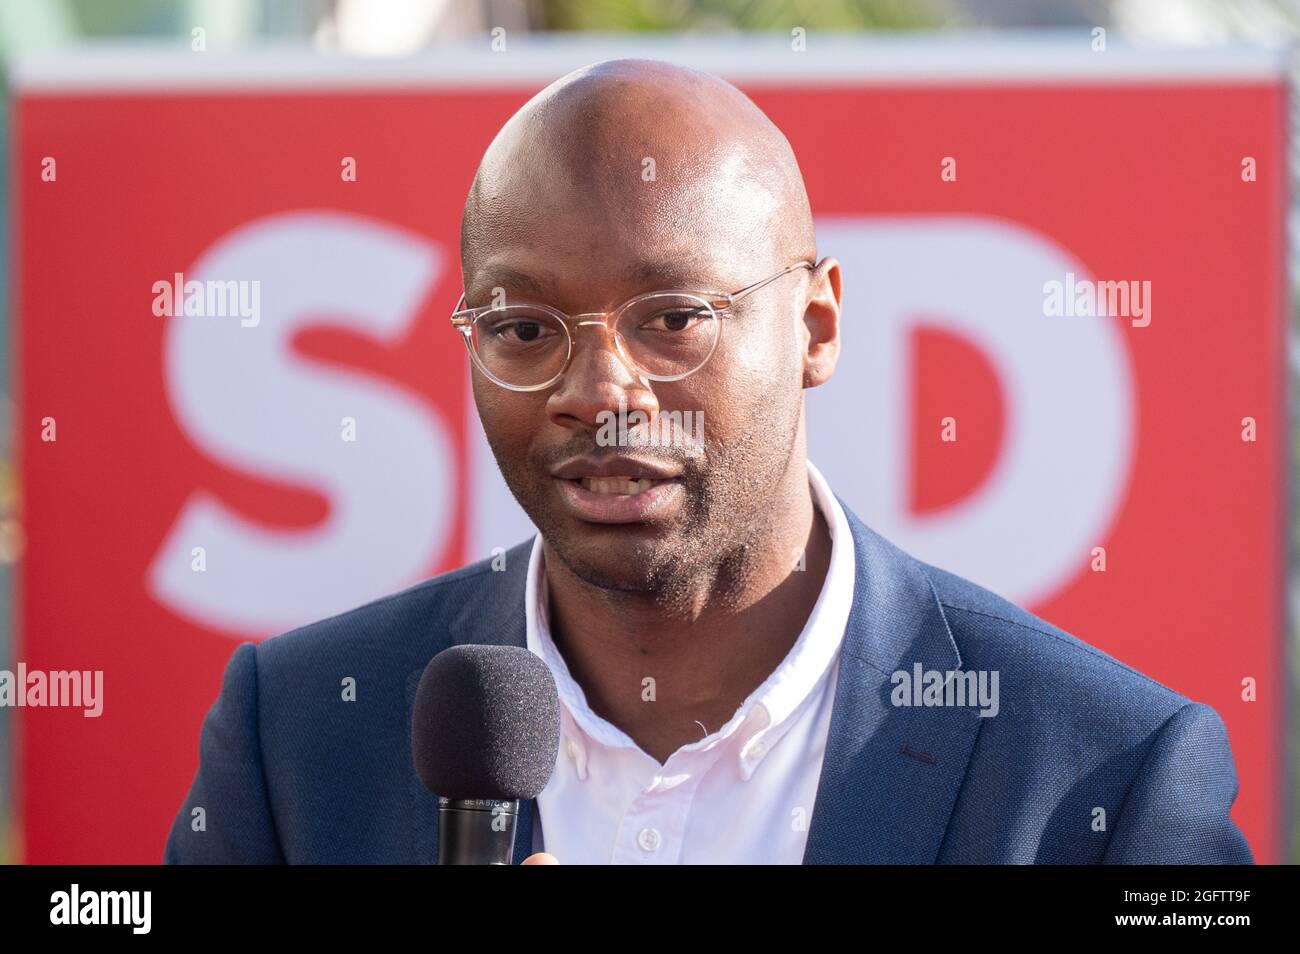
616	485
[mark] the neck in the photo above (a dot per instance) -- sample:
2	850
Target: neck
659	670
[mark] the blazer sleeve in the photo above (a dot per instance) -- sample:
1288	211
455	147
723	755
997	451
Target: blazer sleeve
235	825
1176	811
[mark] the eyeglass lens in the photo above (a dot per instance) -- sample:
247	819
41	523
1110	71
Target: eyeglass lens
666	336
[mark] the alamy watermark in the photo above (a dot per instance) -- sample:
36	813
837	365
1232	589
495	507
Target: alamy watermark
1084	298
955	687
58	689
680	429
209	299
130	908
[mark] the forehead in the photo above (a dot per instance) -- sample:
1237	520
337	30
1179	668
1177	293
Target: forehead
587	253
534	275
606	192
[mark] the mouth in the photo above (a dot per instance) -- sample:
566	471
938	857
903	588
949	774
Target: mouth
618	499
618	490
619	486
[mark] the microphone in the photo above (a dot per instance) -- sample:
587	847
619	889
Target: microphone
485	733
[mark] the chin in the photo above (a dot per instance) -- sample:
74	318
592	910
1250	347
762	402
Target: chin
616	557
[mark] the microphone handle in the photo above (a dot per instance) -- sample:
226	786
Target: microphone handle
476	831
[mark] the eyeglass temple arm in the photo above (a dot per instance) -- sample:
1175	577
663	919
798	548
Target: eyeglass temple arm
757	285
463	317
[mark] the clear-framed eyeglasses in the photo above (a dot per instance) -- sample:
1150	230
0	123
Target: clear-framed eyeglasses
664	335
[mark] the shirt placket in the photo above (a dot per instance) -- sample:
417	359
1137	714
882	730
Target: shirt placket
654	826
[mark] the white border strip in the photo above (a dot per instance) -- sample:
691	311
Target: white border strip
749	59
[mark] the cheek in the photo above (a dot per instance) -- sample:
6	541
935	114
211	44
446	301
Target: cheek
733	403
506	419
757	394
765	343
759	368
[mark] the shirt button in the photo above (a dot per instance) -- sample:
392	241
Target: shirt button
648	839
573	749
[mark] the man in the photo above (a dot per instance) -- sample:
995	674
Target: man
745	669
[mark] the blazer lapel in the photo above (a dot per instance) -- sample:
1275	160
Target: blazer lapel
891	774
494	615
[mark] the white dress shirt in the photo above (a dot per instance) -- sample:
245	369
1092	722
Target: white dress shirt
741	795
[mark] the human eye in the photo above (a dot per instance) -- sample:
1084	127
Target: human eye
520	328
675	319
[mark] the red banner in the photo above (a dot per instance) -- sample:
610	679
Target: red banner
242	407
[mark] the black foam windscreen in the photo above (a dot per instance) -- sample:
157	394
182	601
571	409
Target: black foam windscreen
486	723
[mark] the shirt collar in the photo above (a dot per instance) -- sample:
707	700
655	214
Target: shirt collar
767	714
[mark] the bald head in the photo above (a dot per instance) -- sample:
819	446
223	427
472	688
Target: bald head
639	160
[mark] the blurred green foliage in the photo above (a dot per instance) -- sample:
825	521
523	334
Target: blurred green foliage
617	15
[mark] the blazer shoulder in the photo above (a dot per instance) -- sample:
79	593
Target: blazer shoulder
991	632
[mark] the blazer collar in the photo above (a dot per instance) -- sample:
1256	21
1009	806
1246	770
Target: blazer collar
891	774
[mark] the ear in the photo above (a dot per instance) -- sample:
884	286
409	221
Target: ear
821	324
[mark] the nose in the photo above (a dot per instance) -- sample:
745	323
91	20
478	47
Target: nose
598	376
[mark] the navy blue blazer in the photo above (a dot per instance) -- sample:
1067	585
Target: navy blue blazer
1086	761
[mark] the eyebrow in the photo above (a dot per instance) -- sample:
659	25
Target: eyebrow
666	274
507	277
